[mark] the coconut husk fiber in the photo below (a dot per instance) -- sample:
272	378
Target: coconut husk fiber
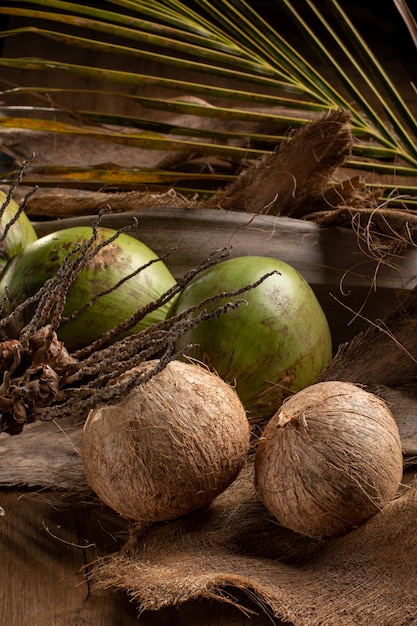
383	354
62	203
297	178
366	577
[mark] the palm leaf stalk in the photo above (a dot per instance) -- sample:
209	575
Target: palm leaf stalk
257	83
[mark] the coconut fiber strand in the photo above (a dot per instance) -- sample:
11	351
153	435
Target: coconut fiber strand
365	577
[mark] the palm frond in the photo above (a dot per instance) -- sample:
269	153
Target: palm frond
246	81
408	18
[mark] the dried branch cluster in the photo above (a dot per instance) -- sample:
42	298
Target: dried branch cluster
41	380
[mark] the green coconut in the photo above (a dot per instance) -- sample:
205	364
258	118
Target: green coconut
19	235
272	346
27	272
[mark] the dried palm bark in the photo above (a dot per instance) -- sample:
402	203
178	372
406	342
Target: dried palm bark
300	179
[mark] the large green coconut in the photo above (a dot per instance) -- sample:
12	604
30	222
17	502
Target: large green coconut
20	233
27	272
269	348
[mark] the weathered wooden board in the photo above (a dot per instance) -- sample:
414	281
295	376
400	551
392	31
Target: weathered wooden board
344	277
45	454
44	550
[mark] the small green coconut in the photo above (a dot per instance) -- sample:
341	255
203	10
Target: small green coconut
19	234
272	346
39	261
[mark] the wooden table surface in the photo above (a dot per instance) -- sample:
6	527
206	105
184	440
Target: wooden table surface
45	547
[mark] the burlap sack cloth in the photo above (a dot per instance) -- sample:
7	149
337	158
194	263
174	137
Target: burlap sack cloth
366	577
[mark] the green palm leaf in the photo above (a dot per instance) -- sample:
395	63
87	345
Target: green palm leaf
256	81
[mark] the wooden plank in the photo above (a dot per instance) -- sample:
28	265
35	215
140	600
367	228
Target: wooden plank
321	254
44	548
344	277
43	551
45	454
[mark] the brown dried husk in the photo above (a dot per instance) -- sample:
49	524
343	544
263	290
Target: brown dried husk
329	459
168	447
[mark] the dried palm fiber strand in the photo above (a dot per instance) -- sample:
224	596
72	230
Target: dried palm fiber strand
366	577
382	232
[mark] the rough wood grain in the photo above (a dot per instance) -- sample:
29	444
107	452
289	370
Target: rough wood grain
44	549
349	284
47	454
404	403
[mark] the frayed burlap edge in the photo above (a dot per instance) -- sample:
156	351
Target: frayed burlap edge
366	577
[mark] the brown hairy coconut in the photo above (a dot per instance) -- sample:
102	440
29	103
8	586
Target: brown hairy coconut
168	447
329	459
